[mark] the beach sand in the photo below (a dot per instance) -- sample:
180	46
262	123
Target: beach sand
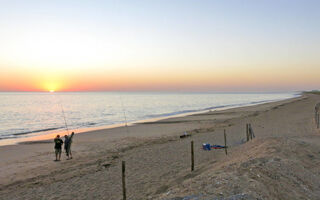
281	162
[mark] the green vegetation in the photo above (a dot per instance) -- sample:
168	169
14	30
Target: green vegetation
314	92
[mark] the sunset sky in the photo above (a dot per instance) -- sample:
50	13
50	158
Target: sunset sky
165	45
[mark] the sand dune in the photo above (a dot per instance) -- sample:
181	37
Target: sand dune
282	162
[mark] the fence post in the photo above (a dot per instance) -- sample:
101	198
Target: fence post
247	129
225	141
318	122
124	192
250	131
192	156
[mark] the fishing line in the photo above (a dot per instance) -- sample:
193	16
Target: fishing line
124	114
64	117
63	114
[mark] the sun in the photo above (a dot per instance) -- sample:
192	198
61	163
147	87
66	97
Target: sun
51	86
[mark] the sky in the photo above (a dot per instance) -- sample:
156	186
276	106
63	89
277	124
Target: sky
165	45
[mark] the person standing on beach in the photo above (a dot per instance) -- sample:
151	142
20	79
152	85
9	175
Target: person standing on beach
57	147
67	145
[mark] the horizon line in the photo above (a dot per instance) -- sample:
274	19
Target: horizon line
162	91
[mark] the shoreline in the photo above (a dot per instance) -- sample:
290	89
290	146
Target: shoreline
47	138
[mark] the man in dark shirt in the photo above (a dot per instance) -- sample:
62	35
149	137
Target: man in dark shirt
57	147
67	145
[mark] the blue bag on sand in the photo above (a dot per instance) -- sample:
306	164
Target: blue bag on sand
206	146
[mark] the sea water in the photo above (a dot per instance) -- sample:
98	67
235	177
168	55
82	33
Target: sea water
26	114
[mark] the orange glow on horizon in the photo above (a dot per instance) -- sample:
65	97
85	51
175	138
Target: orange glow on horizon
160	79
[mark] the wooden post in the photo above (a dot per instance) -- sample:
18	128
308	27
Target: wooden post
247	129
250	131
124	192
318	122
225	141
192	157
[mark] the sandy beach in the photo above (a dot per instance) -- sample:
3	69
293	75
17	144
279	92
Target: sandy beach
281	162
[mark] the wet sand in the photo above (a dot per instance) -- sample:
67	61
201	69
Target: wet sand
284	157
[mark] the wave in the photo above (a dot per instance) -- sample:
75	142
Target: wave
16	135
37	131
7	137
170	114
206	109
85	124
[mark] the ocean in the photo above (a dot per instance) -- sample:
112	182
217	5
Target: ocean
29	114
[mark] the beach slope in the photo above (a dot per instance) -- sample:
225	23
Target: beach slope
281	162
